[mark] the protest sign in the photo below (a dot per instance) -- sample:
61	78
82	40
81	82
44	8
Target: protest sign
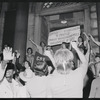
40	64
64	35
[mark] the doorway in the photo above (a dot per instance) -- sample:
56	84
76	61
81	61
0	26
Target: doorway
71	18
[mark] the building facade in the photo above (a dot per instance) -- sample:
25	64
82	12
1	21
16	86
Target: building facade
20	21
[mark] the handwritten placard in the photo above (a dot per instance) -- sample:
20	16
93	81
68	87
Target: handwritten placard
64	35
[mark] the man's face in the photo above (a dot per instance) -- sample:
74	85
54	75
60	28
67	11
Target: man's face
9	74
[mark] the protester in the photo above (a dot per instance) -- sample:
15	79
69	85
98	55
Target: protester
80	41
65	45
42	63
30	56
26	64
65	82
97	64
35	84
95	88
48	47
41	48
9	88
51	75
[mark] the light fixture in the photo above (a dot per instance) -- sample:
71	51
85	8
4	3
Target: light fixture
63	21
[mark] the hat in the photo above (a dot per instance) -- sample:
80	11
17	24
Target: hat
26	75
10	66
41	63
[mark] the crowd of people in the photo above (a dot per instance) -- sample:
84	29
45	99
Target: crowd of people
73	71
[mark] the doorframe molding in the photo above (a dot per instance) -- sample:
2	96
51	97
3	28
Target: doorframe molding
65	9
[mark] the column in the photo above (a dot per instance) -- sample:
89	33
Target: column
31	22
37	28
87	20
21	29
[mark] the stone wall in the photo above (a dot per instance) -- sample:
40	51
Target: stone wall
94	27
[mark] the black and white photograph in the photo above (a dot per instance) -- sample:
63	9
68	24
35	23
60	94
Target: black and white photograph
49	49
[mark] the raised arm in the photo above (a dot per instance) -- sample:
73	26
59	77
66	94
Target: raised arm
48	53
16	57
34	43
88	47
7	55
84	62
96	42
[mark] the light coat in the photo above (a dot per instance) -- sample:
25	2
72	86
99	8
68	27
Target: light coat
6	91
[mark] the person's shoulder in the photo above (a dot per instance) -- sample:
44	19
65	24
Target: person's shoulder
3	81
97	80
77	72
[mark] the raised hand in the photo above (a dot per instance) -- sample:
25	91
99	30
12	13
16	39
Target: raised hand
74	45
7	54
86	36
47	52
17	54
33	42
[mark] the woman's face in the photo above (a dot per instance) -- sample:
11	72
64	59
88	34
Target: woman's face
29	51
26	64
79	39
